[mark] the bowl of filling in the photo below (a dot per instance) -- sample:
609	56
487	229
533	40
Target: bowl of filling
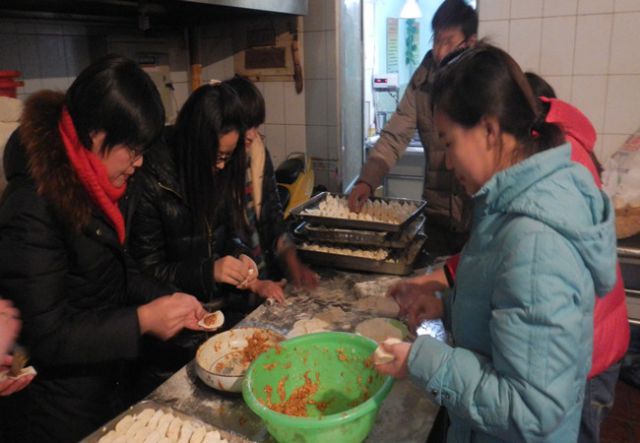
222	361
317	388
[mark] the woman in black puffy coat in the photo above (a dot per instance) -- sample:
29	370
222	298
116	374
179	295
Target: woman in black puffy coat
84	305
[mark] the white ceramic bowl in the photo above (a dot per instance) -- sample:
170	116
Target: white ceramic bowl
218	360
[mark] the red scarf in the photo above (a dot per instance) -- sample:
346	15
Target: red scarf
92	174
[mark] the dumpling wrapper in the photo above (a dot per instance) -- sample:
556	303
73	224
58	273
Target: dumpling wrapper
109	437
155	419
29	370
380	356
212	321
145	415
198	435
124	424
174	429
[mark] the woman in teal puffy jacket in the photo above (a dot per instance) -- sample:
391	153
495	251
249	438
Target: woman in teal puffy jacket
542	244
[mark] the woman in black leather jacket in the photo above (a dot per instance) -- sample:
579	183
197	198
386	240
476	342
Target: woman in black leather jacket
271	246
83	304
186	216
188	207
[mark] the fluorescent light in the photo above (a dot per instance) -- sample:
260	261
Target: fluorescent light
410	9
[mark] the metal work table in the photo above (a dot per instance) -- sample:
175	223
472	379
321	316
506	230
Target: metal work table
405	416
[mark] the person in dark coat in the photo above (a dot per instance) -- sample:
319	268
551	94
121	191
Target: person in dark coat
84	305
187	200
185	207
271	246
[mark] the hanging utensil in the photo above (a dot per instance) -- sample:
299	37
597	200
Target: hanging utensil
295	52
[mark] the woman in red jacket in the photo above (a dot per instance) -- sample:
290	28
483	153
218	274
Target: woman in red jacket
418	301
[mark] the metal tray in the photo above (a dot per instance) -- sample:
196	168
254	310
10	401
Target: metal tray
323	234
403	266
629	247
355	224
145	404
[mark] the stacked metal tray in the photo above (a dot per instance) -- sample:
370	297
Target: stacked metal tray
344	223
399	262
403	241
382	239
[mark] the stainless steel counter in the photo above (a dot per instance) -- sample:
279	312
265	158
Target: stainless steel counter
406	416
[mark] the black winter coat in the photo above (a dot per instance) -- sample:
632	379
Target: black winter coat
161	234
77	291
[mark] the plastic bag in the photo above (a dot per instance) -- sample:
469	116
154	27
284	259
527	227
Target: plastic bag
621	181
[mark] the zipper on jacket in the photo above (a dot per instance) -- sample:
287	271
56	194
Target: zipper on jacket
171	190
209	239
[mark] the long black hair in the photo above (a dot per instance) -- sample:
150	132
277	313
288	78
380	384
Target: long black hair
211	112
251	99
486	81
116	96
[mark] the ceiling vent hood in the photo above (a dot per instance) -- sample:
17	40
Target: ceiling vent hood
294	7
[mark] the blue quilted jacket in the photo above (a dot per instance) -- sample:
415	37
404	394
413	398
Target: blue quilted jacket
542	244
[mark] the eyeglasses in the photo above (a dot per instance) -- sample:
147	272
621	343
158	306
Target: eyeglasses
224	157
136	153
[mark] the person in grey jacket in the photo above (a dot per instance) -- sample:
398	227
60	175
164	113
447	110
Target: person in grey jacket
455	26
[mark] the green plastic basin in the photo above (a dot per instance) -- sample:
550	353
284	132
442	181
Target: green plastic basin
350	389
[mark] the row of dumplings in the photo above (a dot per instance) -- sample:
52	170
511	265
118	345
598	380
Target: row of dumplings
156	426
394	211
373	254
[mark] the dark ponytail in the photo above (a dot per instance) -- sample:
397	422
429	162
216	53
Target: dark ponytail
485	80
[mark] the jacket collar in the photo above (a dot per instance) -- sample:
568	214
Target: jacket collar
46	160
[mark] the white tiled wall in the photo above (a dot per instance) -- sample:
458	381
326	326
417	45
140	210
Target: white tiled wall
589	50
50	54
285	120
320	71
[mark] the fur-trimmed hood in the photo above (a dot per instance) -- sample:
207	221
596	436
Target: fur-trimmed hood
38	152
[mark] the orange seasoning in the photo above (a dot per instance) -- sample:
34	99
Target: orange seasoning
300	398
256	345
281	391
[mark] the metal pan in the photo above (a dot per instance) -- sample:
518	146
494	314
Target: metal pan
150	404
312	203
323	234
403	265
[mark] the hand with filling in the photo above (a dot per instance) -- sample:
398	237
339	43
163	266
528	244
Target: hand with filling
231	270
399	366
9	329
9	326
268	289
165	316
10	385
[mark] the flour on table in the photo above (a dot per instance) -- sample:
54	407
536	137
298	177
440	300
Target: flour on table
378	329
384	306
377	287
332	315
